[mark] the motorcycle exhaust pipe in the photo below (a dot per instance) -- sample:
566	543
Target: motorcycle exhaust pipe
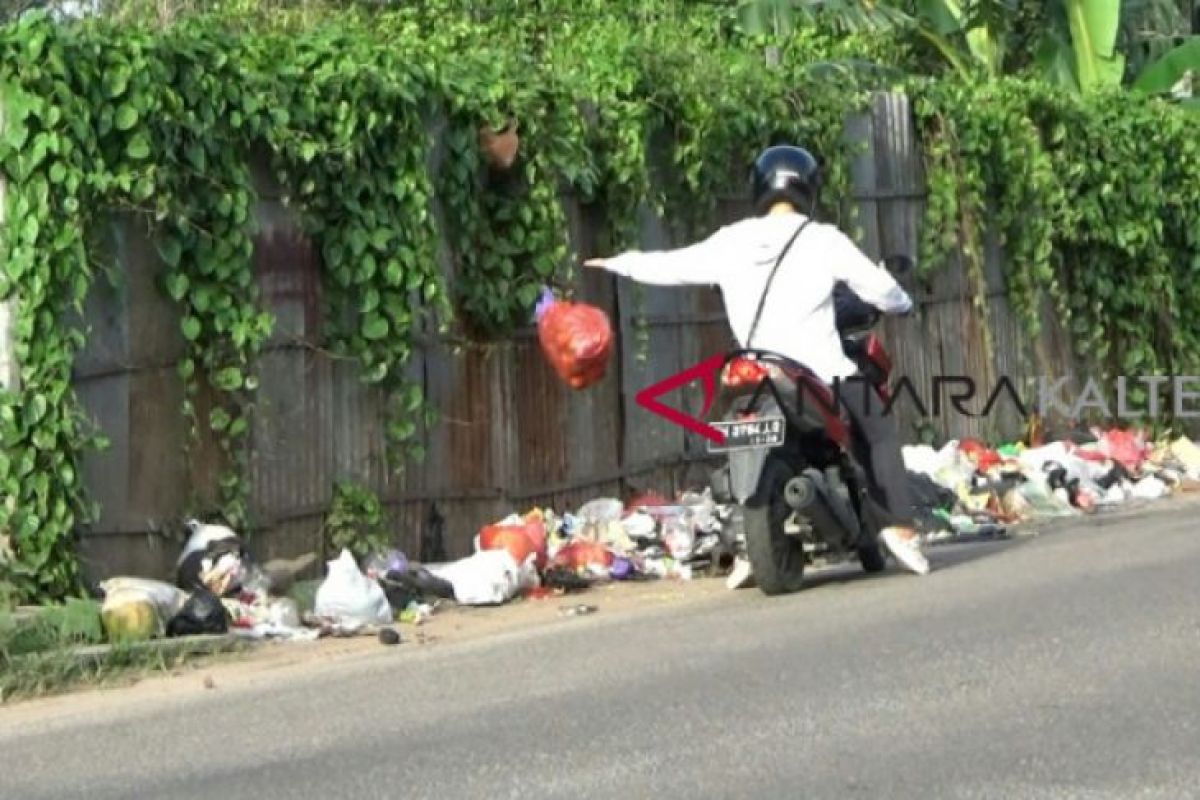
804	496
800	492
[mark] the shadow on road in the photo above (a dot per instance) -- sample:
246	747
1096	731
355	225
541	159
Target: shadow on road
941	557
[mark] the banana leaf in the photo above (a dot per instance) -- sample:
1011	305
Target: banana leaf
1163	75
1094	25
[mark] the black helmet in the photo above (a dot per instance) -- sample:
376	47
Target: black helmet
784	173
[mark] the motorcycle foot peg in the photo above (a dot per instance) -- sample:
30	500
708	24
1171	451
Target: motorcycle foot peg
799	492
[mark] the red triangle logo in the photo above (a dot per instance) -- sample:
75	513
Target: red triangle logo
705	371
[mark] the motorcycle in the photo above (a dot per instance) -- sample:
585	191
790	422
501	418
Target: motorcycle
801	496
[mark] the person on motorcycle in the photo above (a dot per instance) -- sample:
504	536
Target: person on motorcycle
801	261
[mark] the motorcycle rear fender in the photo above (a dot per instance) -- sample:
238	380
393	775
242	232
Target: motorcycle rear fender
746	466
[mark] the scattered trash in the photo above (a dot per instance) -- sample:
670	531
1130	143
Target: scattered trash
489	577
621	569
202	613
577	611
583	554
1149	488
640	525
569	580
349	597
136	609
378	566
598	512
416	613
1188	455
283	612
964	490
212	558
679	536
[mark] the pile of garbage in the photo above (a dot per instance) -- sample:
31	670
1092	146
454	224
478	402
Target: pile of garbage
220	589
963	488
967	487
542	553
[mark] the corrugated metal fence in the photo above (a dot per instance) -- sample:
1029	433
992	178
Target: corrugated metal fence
510	435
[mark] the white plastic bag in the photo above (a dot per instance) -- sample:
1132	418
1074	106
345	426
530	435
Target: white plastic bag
347	595
605	509
489	577
1150	488
922	458
640	525
202	536
679	536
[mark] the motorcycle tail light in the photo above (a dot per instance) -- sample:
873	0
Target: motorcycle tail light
744	372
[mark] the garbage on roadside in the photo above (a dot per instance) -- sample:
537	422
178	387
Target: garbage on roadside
213	558
136	609
577	611
967	488
348	597
489	577
202	613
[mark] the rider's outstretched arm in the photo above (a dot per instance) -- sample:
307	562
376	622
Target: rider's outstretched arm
869	281
700	264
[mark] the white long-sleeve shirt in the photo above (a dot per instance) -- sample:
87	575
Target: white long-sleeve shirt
798	316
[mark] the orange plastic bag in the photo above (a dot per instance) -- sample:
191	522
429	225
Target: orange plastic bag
519	540
576	338
579	555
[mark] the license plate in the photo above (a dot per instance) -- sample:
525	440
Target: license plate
746	434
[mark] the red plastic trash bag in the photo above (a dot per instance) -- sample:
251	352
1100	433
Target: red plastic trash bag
519	539
582	554
646	500
984	457
1128	448
576	338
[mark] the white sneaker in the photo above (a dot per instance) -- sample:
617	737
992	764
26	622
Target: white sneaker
741	576
906	547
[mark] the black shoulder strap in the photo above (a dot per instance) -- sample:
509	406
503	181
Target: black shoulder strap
762	301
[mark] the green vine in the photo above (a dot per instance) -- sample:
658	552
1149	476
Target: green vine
356	521
1095	199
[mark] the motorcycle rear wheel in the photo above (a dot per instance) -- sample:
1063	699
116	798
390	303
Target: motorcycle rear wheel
776	558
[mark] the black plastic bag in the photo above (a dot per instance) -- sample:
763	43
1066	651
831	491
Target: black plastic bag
565	579
202	613
415	583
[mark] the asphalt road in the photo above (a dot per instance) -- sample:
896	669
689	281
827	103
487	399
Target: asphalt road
1066	666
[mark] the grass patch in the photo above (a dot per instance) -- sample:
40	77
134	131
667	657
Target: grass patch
55	649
